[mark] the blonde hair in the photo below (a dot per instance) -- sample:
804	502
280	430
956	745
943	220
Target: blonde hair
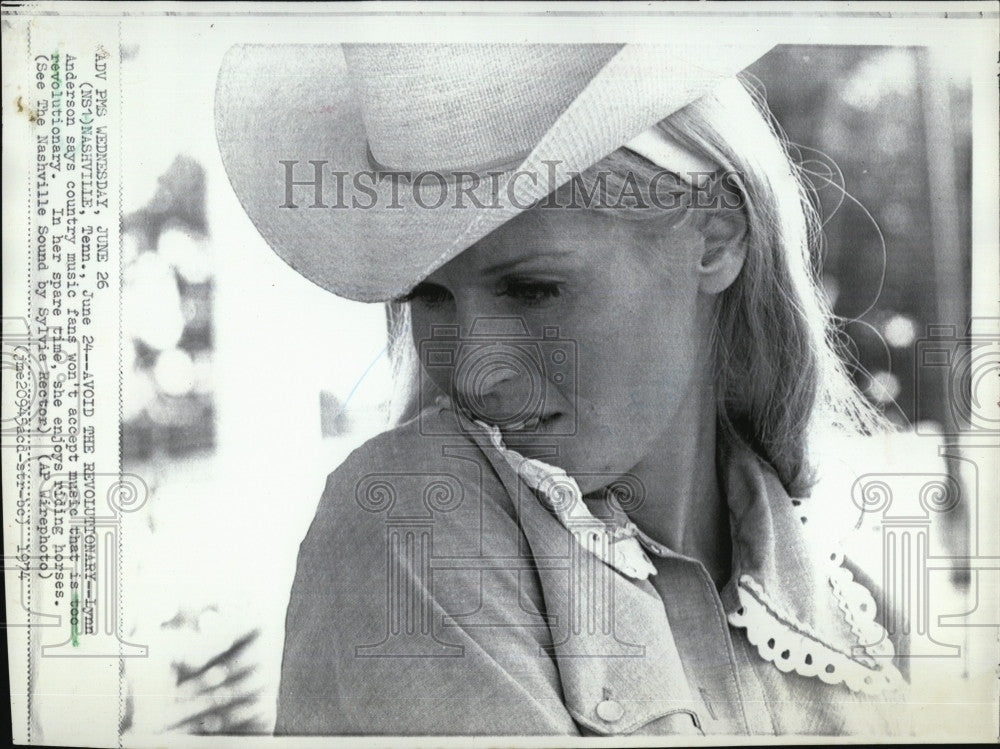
779	371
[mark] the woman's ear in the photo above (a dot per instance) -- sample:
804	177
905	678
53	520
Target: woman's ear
724	250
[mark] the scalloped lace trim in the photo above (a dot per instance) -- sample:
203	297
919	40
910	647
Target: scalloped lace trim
780	639
859	608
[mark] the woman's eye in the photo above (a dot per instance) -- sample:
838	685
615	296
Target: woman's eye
531	292
428	294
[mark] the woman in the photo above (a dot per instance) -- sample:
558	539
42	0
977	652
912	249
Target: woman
593	515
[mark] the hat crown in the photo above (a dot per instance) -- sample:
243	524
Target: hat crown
465	107
281	108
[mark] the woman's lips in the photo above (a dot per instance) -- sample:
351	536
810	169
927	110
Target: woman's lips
534	424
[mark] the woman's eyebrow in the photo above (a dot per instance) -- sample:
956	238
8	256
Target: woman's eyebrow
510	264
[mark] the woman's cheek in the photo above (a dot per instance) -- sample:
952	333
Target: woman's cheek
422	321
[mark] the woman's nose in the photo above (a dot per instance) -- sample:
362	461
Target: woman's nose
496	376
484	382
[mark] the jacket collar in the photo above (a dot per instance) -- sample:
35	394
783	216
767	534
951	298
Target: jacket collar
790	589
799	606
611	638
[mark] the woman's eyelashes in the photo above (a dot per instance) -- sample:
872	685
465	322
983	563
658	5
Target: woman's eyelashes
427	294
527	292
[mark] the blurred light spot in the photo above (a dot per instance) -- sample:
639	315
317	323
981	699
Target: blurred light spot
138	391
831	289
130	248
174	372
928	427
189	256
197	310
892	72
203	373
214	676
174	411
900	331
883	387
152	302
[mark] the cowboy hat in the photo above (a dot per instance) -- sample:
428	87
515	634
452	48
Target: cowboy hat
367	167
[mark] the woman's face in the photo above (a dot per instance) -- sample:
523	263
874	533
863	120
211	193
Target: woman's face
578	334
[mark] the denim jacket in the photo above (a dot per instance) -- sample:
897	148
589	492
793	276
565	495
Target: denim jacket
436	594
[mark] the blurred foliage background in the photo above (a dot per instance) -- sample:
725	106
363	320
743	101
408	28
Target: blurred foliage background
168	307
885	135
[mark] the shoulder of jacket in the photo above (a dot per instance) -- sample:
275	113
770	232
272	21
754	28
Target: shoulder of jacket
425	469
423	444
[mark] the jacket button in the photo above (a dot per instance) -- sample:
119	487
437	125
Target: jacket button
610	711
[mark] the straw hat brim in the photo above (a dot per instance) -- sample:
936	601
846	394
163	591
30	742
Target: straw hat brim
277	103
